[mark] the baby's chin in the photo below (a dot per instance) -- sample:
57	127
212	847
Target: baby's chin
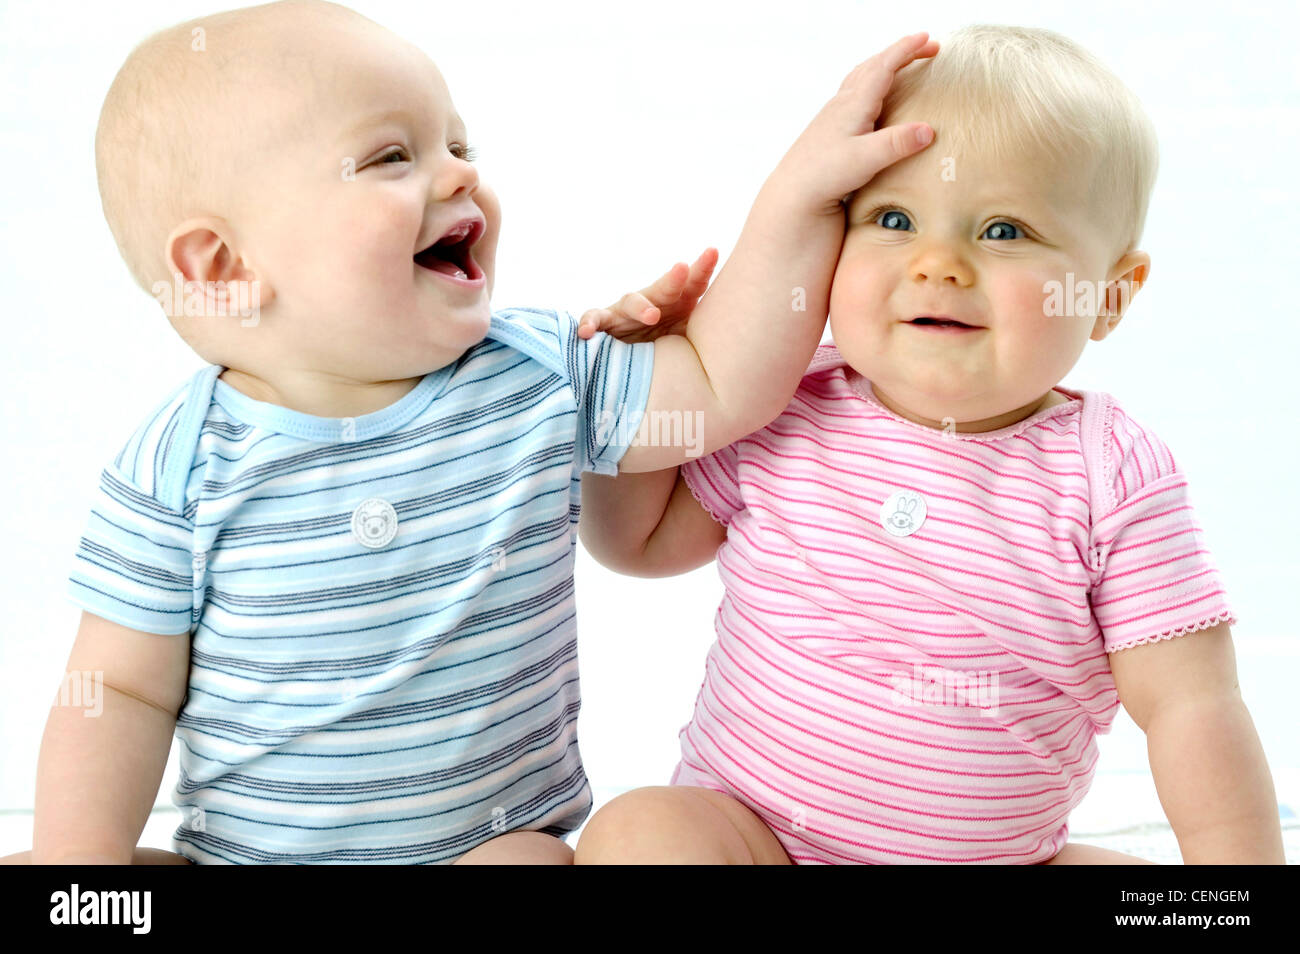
449	335
464	328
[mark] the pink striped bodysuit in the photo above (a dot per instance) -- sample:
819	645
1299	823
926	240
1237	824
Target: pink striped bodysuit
911	656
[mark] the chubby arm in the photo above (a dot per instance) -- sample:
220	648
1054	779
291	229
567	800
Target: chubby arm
754	332
98	774
646	524
1206	759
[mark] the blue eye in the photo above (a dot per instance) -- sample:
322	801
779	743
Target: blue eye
895	220
1003	231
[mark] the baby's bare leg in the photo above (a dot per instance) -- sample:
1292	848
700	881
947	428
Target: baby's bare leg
141	856
1076	854
677	824
519	848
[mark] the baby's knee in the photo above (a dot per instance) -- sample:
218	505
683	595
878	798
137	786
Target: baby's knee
1076	854
667	824
519	848
618	828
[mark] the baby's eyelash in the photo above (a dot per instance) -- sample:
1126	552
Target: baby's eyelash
466	153
1025	231
875	214
874	218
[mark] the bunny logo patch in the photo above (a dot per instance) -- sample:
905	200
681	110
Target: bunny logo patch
903	513
374	523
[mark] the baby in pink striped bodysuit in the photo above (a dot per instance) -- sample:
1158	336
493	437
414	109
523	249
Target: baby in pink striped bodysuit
943	571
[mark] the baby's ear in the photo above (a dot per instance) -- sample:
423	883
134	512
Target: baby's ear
200	249
1126	277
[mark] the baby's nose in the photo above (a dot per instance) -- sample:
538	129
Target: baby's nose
940	262
454	178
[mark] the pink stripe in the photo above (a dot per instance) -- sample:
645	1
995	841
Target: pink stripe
969	610
1159	587
797	480
841	838
767	781
925	447
1165	610
1081	733
874	458
811	661
967	569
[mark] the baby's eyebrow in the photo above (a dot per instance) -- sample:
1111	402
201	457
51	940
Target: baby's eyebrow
868	197
375	120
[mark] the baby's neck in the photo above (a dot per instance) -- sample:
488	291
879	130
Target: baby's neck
1015	416
320	395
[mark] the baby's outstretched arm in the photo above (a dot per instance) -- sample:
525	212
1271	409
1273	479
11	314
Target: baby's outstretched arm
754	332
646	524
1208	765
100	765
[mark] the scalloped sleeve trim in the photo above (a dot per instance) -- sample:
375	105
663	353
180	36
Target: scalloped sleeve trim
689	479
1227	616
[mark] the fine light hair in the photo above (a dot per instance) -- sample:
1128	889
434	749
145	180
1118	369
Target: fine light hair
1012	91
173	131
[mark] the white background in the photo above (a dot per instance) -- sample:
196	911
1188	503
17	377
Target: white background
624	137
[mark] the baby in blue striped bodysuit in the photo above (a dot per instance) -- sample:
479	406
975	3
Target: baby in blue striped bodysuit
337	561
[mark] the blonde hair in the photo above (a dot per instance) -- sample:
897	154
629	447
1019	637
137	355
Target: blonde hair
1017	90
172	133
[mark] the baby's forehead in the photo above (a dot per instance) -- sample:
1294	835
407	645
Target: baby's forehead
392	79
299	80
958	167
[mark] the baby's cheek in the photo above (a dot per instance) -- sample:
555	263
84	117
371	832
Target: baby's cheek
1021	294
855	283
382	240
1035	299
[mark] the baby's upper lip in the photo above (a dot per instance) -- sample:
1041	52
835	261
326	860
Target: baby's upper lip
467	230
939	316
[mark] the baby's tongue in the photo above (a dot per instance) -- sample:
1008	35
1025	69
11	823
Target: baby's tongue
447	268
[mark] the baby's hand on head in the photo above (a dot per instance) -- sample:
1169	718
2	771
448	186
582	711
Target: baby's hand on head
657	310
841	150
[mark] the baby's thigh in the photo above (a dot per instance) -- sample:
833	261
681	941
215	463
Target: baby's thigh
1076	854
141	856
677	824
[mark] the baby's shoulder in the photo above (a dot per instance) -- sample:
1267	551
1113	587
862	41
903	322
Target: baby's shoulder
827	364
1124	453
827	357
157	456
546	335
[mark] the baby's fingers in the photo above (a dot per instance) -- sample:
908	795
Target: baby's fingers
886	146
701	272
862	94
592	321
880	69
630	311
667	289
634	306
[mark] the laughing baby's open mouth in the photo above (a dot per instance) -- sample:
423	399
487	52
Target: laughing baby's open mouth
450	255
